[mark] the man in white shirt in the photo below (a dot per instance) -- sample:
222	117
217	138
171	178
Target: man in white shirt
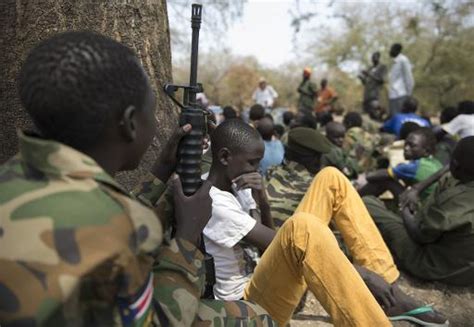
304	253
265	94
401	81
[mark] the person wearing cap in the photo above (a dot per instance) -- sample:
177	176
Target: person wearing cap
265	94
294	176
307	91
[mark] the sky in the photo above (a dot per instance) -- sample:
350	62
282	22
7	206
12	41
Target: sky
264	31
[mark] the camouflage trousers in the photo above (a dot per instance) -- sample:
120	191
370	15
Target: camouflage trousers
232	313
177	294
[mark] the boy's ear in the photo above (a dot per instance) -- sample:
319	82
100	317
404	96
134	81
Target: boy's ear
224	156
128	123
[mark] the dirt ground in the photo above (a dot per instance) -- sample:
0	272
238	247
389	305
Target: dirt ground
454	302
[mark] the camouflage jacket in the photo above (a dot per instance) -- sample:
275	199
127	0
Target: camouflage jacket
370	125
341	160
361	147
77	250
286	186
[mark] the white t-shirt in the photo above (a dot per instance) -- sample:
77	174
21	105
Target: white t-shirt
265	97
229	224
461	125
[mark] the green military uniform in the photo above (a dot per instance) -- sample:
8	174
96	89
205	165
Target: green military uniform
340	159
447	219
370	125
445	148
286	185
308	91
373	83
357	139
77	249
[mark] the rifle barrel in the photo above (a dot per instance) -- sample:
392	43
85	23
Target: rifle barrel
196	12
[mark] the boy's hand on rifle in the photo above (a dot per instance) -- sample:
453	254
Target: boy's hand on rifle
166	163
191	212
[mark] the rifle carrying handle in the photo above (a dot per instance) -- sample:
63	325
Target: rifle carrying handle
190	150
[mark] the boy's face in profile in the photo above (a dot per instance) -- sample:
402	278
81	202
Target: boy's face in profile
415	147
246	161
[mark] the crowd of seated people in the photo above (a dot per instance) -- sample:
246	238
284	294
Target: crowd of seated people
412	167
406	167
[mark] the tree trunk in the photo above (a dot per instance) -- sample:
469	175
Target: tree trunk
142	25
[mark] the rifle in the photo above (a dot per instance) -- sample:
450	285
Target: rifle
190	147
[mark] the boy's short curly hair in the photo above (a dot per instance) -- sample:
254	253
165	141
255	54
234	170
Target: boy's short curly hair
74	83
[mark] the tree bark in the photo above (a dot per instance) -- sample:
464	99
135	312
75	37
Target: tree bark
141	25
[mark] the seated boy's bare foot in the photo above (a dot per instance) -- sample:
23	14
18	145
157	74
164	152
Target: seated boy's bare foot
405	303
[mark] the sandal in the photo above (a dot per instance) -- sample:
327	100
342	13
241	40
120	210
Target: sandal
411	316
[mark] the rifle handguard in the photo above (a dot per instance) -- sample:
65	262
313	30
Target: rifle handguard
190	150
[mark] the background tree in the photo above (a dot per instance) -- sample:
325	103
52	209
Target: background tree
336	39
142	25
217	17
229	79
436	35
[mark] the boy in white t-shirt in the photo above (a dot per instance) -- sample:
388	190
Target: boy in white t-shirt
304	252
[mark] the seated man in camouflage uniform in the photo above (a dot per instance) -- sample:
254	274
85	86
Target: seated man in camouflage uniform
287	184
435	240
76	249
338	157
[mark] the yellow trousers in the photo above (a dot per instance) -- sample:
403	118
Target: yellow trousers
305	253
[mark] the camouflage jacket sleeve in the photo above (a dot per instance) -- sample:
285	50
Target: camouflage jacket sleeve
155	194
150	190
178	271
179	275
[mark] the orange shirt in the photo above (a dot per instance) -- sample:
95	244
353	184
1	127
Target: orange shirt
324	98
